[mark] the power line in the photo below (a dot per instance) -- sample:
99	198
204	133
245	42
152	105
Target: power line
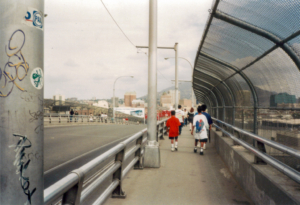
117	23
138	50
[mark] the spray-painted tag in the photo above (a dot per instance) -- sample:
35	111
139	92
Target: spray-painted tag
34	18
37	78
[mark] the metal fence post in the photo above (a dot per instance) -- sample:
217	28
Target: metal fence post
72	196
118	192
21	101
259	145
140	163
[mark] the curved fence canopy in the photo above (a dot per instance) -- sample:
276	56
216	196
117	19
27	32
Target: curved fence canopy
247	67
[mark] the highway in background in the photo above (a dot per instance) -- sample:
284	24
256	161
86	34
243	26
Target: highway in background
69	147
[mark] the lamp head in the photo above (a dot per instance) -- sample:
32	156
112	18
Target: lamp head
132	76
166	58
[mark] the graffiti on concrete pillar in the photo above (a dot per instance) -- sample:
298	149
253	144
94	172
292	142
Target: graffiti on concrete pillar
22	165
16	68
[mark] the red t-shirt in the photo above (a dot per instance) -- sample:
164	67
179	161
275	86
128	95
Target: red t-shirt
174	124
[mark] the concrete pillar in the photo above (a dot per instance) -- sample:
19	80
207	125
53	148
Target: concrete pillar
21	101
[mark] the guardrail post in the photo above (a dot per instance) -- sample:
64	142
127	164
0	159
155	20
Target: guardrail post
59	119
140	163
237	135
259	145
50	119
118	192
72	196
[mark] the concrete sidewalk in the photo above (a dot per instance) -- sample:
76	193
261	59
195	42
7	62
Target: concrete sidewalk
183	178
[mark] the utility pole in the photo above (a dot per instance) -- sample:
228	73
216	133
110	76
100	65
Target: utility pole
152	152
176	76
21	101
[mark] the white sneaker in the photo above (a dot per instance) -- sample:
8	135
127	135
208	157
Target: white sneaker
172	149
201	151
204	146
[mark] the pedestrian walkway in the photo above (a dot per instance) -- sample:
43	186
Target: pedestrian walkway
183	178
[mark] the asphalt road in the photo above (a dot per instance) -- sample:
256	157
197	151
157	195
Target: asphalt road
69	147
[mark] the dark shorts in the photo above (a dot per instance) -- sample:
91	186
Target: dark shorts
173	138
202	140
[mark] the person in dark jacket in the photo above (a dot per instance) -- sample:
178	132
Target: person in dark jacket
71	114
191	117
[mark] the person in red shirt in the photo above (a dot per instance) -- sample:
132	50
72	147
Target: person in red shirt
173	129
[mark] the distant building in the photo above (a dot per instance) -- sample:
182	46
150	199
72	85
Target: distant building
59	99
185	103
138	103
93	98
288	105
282	98
101	103
72	99
166	100
116	101
172	93
128	98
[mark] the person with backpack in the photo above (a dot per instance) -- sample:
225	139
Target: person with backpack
191	117
209	120
173	129
199	129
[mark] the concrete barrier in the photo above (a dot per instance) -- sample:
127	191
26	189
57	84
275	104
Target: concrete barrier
262	183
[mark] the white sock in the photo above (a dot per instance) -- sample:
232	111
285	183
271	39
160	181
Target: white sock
176	143
172	145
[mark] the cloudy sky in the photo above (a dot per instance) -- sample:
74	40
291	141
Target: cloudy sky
85	51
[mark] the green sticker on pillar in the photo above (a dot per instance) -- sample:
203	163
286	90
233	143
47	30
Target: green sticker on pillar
37	78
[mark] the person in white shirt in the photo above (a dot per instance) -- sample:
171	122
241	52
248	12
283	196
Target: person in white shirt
180	115
199	130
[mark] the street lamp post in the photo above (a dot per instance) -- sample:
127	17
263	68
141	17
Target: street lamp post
191	79
114	96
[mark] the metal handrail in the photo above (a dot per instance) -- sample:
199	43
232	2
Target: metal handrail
87	118
70	187
288	171
276	145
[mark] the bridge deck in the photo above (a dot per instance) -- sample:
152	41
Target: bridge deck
183	178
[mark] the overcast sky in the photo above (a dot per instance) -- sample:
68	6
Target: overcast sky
85	51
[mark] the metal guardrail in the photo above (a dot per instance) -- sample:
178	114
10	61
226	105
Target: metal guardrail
290	172
66	118
78	185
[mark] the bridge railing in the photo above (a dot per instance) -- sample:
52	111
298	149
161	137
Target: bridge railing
66	118
107	170
234	133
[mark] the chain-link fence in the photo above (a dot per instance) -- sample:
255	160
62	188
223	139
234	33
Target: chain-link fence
247	69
